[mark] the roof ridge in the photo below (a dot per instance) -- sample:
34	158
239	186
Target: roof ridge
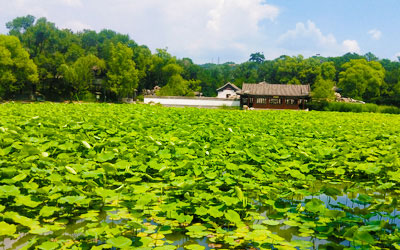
279	89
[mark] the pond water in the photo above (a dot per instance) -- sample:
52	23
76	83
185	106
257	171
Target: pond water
355	205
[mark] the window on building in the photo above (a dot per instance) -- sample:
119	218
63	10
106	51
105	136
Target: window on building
291	101
228	95
261	101
275	101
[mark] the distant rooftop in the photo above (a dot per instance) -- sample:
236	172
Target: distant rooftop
268	89
236	88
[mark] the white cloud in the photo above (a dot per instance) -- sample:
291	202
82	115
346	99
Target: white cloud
308	39
74	3
375	34
351	46
307	35
200	29
195	28
24	3
396	56
25	7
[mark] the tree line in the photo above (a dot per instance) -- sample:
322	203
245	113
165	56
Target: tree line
38	58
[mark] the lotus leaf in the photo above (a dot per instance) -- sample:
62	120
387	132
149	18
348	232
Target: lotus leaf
7	229
144	177
48	245
120	242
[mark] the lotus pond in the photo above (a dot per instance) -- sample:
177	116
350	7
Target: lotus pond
106	176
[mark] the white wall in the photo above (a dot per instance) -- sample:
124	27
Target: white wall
194	102
222	94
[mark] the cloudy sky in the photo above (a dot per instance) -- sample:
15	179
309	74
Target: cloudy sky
231	30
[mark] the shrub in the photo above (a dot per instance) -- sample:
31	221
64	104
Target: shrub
352	107
389	109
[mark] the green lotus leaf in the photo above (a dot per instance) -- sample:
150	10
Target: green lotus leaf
48	245
195	247
334	214
146	199
166	247
72	199
100	247
292	223
215	212
109	168
26	201
9	190
229	201
369	228
105	156
271	222
19	177
121	242
7	229
39	230
122	164
233	216
364	236
25	221
302	244
196	228
315	206
47	211
201	211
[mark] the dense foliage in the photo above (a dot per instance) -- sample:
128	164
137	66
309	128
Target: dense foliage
129	66
352	107
96	176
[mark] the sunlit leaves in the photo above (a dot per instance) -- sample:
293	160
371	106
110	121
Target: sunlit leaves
120	242
315	206
9	190
47	211
147	177
7	229
233	217
48	245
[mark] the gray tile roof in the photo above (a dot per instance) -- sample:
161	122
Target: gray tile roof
236	88
267	89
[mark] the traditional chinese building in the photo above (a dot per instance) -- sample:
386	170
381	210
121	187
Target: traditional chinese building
274	96
228	91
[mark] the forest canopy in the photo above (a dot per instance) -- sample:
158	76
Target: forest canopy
36	57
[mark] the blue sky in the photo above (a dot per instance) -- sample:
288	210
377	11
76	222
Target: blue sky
231	30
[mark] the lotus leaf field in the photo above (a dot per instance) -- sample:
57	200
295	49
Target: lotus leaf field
109	176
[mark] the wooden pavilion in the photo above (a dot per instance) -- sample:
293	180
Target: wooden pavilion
274	96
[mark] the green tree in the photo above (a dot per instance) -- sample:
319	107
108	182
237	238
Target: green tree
81	74
122	76
297	70
370	57
176	85
74	52
245	72
361	79
257	57
20	24
17	70
143	60
328	71
323	88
